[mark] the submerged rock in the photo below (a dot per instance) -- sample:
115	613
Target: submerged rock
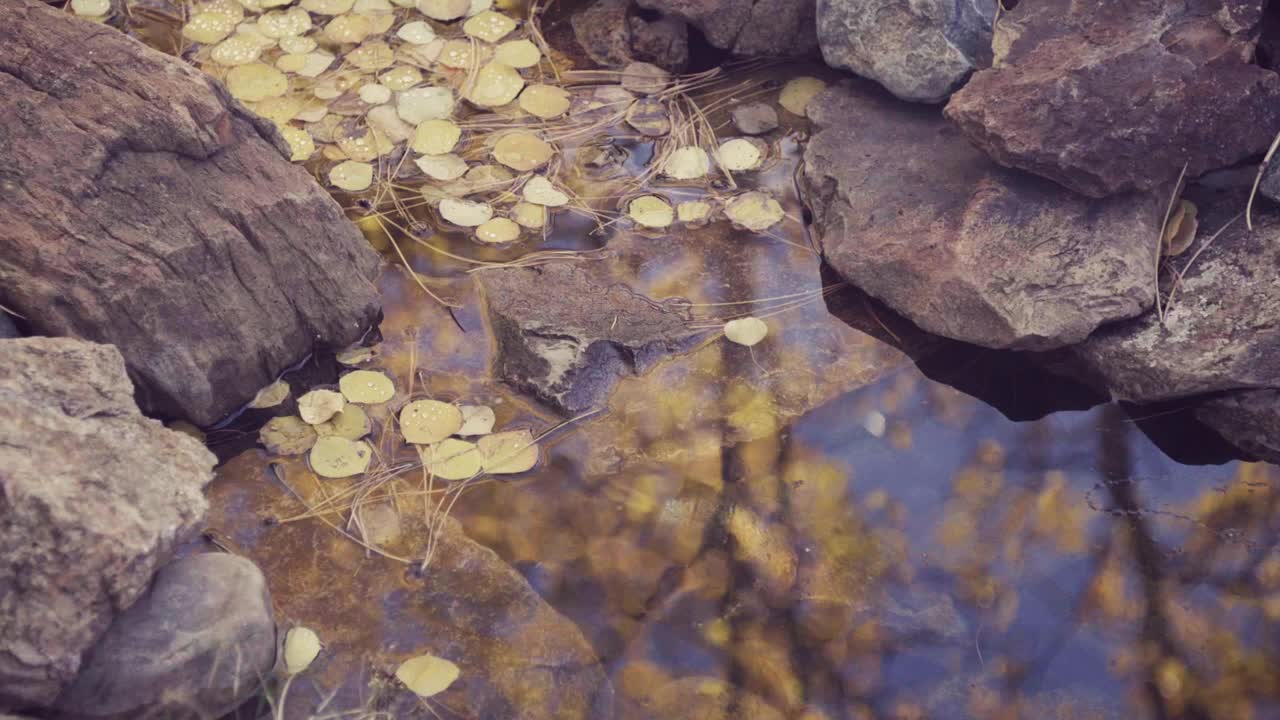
919	51
755	118
566	334
910	212
1250	420
147	209
700	698
1106	96
613	35
197	645
93	497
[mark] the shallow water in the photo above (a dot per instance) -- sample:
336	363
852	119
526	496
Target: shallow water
813	525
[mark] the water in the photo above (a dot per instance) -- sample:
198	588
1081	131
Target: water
842	522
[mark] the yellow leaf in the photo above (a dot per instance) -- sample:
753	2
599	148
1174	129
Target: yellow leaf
427	675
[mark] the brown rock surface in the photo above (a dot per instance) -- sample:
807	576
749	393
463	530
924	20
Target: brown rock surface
1106	96
93	497
142	207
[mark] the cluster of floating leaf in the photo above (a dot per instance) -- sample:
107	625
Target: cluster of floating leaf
424	675
331	427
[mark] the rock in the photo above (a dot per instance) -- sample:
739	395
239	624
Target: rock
195	646
663	42
910	212
176	230
93	497
644	78
567	335
1250	420
919	51
603	32
755	118
764	28
8	329
1106	97
700	698
1222	330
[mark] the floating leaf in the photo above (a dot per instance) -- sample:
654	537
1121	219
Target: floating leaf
352	423
352	176
436	137
287	436
285	23
427	421
739	154
507	453
442	167
235	50
451	459
372	55
497	230
693	211
797	93
649	117
416	33
529	215
458	54
348	29
539	191
368	387
489	26
495	85
465	212
91	8
256	81
319	405
746	331
644	78
334	456
687	163
271	395
544	101
301	646
651	211
401	77
427	675
375	94
444	9
518	54
476	420
209	27
522	151
327	7
418	105
754	211
296	44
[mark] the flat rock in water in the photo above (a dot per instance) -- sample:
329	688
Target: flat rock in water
910	212
1222	330
763	28
566	334
919	51
196	645
94	497
1250	420
150	211
1106	96
755	118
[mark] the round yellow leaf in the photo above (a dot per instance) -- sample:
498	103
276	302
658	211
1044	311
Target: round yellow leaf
418	105
687	163
368	387
91	8
476	420
428	421
256	81
466	213
327	7
489	26
293	22
436	137
319	405
497	230
287	436
797	93
301	646
236	50
522	151
209	27
693	211
443	10
495	85
651	211
529	215
754	211
351	176
518	54
348	29
539	191
746	331
451	459
739	154
352	423
401	78
427	675
507	453
372	55
442	167
334	456
544	101
297	45
271	395
416	33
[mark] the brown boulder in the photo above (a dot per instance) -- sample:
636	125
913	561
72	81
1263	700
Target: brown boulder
769	28
93	497
907	210
613	35
144	208
1106	96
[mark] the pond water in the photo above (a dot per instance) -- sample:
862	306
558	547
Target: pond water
840	522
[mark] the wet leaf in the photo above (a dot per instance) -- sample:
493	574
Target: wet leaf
754	211
418	105
301	646
287	436
649	117
539	191
427	421
209	27
436	137
739	154
458	54
644	78
687	163
797	93
271	395
327	7
427	675
476	420
295	44
444	9
284	23
518	54
451	459
489	26
746	331
416	33
375	94
497	230
90	8
529	215
401	77
465	212
495	85
693	211
651	211
235	50
522	151
319	405
334	456
256	81
351	176
442	167
368	387
544	101
507	453
348	29
351	423
372	55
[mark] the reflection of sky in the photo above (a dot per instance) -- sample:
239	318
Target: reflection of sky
920	478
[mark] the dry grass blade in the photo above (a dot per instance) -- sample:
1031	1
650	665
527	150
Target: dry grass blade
1168	212
1257	181
1177	282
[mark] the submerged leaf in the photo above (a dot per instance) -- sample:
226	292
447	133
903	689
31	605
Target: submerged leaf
351	423
522	151
301	646
797	93
539	191
427	421
287	436
465	212
351	176
651	211
451	459
507	453
687	163
334	456
476	420
544	101
427	675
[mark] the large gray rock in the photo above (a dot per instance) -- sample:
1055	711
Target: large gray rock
1250	420
567	335
1222	330
93	497
196	646
1106	96
910	212
750	28
141	206
920	51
